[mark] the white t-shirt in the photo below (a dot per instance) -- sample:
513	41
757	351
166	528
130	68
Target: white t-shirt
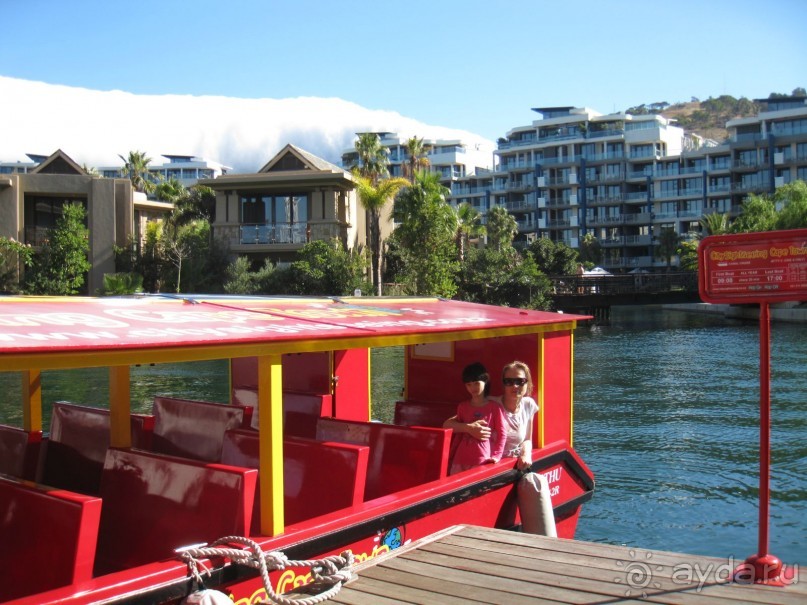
517	425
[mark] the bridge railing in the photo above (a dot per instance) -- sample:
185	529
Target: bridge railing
586	285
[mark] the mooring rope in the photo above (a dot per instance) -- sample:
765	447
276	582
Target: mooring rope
329	574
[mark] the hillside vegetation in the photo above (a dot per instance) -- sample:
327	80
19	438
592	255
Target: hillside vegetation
708	118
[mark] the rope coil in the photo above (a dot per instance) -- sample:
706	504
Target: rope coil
329	573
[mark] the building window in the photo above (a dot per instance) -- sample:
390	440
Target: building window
42	212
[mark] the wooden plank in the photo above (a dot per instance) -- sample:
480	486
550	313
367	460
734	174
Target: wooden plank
430	579
480	565
505	588
413	592
668	577
674	566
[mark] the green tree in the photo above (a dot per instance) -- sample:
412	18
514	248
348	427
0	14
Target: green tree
715	223
326	268
150	261
503	277
590	253
13	257
501	227
469	226
241	279
170	190
193	261
554	258
373	160
793	200
196	203
60	266
758	213
416	152
667	245
373	197
425	232
117	284
688	254
136	168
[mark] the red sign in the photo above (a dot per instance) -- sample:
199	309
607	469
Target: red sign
768	266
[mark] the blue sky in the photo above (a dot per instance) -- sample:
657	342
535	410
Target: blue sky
475	65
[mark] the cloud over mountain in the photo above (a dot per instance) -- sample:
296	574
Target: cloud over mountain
94	127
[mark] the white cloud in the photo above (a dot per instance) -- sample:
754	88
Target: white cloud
94	127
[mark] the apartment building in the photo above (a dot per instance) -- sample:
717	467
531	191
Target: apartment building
187	169
623	178
452	159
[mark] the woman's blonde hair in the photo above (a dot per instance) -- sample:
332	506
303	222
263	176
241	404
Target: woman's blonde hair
519	365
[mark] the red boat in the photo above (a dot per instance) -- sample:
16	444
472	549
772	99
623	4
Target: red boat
95	509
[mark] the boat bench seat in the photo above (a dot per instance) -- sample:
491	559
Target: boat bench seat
423	413
48	535
154	504
300	410
318	477
400	456
19	451
194	429
74	453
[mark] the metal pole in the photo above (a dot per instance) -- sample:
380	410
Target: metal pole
763	568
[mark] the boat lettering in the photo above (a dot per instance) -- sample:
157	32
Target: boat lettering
553	476
60	319
331	313
177	317
426	323
224	331
58	336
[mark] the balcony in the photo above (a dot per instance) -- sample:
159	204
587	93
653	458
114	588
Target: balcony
638	240
640	218
603	220
519	206
294	233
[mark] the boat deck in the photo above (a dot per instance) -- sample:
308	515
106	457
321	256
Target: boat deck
467	565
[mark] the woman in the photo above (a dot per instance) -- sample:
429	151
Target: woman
534	502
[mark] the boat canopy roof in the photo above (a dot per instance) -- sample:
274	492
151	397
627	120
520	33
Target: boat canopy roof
64	332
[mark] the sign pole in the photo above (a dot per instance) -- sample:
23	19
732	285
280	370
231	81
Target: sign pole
764	268
764	566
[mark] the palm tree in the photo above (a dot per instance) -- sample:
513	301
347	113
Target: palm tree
373	197
502	228
667	247
715	223
372	162
469	226
416	151
171	191
136	167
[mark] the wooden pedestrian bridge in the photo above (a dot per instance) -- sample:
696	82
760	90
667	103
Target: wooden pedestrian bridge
596	294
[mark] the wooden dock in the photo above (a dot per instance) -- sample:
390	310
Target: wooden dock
467	565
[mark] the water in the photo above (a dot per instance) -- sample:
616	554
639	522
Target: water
666	415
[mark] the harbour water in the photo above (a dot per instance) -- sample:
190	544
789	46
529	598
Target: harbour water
666	415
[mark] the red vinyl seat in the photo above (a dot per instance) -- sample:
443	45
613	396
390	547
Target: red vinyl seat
55	530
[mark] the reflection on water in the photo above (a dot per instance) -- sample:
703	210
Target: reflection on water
667	417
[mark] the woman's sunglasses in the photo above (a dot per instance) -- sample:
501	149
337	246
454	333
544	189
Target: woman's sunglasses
514	382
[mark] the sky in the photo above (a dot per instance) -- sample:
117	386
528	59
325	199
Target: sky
235	81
